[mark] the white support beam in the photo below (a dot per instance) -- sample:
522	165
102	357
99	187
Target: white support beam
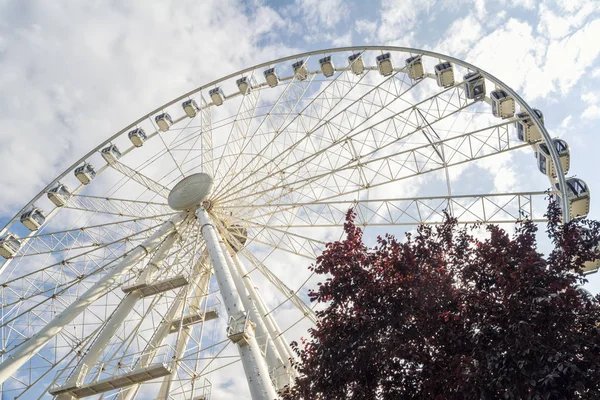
36	342
273	357
253	361
274	332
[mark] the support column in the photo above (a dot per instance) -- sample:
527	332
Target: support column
117	317
253	361
36	342
274	359
275	333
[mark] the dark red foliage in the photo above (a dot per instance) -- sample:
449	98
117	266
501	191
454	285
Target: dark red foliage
442	315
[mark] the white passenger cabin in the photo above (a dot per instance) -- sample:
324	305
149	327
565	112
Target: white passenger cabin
503	105
414	65
527	130
9	245
356	63
474	86
190	107
384	64
444	74
59	195
164	121
217	96
271	77
327	67
85	173
578	196
243	85
33	219
137	137
300	71
544	160
586	294
592	266
110	153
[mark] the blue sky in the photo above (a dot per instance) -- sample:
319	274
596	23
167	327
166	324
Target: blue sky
73	73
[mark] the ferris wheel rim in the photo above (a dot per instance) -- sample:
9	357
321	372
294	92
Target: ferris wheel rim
518	99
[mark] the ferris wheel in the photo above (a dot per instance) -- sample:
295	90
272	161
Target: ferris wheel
170	262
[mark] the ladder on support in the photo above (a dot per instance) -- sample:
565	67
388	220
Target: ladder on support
192	319
139	375
150	289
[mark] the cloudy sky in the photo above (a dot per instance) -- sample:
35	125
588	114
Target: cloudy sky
73	73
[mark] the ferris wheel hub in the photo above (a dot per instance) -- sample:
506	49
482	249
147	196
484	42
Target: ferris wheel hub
191	191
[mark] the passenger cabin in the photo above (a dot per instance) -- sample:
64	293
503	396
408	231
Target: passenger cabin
444	74
578	196
527	130
243	85
110	153
586	294
271	77
300	71
85	173
384	64
59	195
414	65
544	160
164	121
9	245
327	67
190	107
356	63
217	96
503	105
33	219
592	266
137	137
474	86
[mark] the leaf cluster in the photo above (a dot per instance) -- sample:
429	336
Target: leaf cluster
445	315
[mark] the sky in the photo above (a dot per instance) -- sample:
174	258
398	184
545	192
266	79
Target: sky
74	73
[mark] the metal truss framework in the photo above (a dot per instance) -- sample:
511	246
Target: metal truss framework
117	295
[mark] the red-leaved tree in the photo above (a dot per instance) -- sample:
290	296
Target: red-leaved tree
443	315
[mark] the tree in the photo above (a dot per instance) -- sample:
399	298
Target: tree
444	315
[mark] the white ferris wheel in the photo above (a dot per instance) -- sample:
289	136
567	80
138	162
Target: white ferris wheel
171	260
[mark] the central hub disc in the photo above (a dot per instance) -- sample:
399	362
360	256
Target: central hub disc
190	191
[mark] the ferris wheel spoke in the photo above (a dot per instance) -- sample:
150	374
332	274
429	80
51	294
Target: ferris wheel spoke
316	109
482	208
391	167
277	283
266	131
99	237
204	135
347	116
140	178
116	206
386	131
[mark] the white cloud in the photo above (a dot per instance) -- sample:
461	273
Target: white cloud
398	18
556	23
592	100
568	59
366	27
